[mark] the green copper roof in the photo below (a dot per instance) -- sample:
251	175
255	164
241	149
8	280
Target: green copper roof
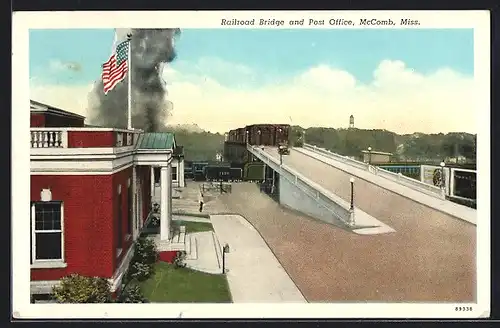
156	140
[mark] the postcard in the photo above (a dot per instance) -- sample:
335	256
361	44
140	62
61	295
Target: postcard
251	164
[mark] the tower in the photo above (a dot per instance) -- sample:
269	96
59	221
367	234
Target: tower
351	121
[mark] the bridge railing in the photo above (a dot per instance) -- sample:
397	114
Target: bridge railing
396	177
338	207
343	159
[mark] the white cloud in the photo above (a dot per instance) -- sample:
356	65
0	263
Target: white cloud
397	99
70	98
57	65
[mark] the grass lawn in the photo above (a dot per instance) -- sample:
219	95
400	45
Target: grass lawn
195	226
190	226
183	285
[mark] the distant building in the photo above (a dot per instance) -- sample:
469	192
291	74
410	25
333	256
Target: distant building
351	121
375	157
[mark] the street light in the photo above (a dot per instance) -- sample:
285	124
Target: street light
352	193
258	132
370	155
225	250
247	137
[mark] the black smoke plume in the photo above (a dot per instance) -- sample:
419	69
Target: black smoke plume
150	50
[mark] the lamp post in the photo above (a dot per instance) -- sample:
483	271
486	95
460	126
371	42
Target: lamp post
280	152
352	193
370	155
442	164
247	136
351	209
225	250
258	133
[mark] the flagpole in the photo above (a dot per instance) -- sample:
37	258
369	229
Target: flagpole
129	93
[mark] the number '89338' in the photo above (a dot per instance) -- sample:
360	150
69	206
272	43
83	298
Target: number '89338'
463	308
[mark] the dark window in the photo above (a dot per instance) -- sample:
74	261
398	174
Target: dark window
130	210
174	173
157	174
47	230
119	223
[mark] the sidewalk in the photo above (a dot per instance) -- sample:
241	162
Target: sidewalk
253	272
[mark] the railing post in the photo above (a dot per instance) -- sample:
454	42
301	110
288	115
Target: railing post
45	137
64	139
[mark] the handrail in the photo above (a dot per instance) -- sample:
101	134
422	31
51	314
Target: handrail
340	203
395	177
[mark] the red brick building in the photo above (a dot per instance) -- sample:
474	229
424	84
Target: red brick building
91	190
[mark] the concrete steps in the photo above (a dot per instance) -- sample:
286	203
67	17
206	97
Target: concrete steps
202	254
178	240
191	248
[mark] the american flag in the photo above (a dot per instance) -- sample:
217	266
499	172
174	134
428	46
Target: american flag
115	69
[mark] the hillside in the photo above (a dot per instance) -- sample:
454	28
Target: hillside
199	145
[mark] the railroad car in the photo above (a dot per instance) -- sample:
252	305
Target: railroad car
254	171
236	174
267	134
260	134
223	172
217	173
199	170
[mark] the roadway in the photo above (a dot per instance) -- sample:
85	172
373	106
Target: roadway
430	257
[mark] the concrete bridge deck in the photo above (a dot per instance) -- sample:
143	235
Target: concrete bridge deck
381	198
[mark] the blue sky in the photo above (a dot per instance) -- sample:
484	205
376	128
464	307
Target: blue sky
272	54
403	80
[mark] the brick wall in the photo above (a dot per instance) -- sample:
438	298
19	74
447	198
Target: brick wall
50	120
84	139
121	178
37	120
88	224
90	220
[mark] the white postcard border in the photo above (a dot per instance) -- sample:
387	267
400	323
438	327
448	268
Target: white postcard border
23	21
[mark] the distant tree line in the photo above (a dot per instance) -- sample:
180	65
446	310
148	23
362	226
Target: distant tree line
417	146
202	146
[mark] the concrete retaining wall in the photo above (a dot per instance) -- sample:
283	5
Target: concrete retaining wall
301	194
293	197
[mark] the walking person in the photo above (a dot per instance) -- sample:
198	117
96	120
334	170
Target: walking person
201	199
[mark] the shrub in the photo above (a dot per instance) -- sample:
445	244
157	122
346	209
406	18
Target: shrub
145	251
81	289
179	258
140	271
154	221
142	264
132	293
